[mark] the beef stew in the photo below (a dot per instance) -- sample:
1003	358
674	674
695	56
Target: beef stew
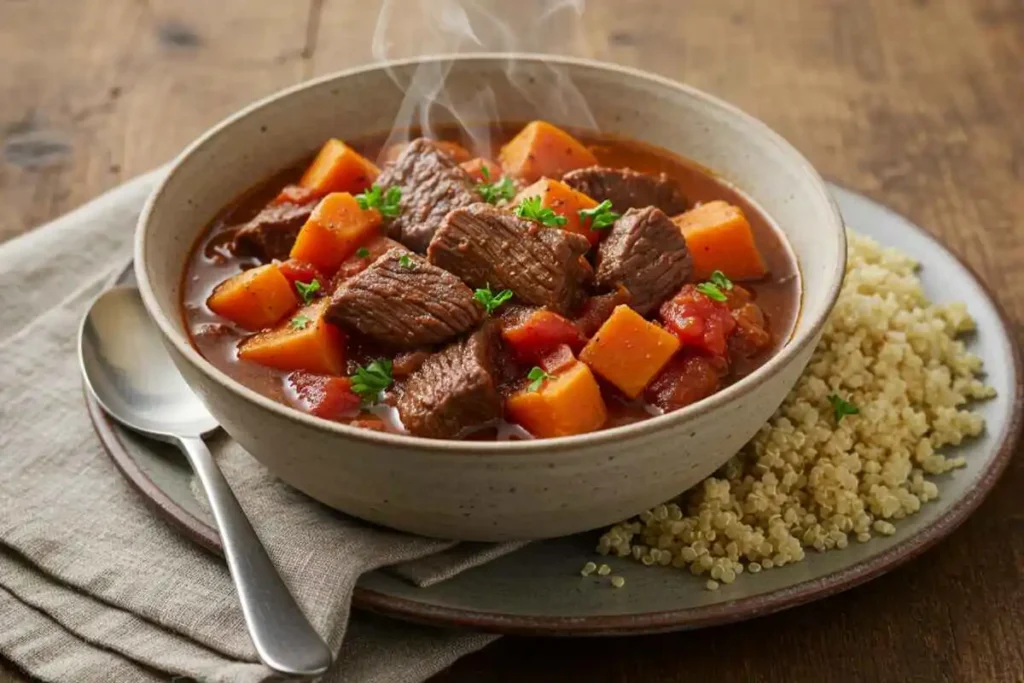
560	283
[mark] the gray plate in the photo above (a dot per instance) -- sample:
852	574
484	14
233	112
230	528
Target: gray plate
538	590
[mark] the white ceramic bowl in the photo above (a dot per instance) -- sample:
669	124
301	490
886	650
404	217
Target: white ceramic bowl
492	491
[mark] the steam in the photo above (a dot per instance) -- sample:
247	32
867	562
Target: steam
435	27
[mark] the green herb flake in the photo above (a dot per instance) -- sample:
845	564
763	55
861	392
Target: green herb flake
842	407
531	209
386	202
537	376
362	252
405	261
711	291
307	290
368	382
719	279
492	193
601	217
491	301
299	322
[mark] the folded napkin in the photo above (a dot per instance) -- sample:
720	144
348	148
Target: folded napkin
94	587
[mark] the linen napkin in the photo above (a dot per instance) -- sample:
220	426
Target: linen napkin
94	587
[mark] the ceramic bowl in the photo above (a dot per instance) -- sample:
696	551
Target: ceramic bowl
492	491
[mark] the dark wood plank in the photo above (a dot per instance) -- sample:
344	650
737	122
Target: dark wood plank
914	102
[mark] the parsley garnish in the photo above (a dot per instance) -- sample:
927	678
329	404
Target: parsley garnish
307	289
384	201
719	279
405	261
842	407
490	300
537	377
531	209
711	291
299	322
492	193
601	216
369	382
362	252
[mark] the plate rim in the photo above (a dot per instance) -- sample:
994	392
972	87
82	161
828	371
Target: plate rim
652	622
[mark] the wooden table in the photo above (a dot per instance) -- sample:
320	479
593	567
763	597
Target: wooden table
917	103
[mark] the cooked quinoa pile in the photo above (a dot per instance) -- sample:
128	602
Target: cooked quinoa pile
811	481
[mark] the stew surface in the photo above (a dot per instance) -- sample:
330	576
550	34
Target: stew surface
539	290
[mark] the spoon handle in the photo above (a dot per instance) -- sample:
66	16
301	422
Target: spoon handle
284	638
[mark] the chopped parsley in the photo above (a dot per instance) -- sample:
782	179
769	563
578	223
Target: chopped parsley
600	217
537	376
307	289
369	382
405	261
491	301
299	322
492	193
711	291
842	407
362	252
531	209
719	280
385	201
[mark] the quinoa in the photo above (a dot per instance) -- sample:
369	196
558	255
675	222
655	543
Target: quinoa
811	481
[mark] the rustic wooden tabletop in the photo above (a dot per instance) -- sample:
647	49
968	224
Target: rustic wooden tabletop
916	103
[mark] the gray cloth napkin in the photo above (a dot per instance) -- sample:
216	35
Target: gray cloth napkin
94	587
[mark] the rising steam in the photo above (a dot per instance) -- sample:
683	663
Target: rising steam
466	26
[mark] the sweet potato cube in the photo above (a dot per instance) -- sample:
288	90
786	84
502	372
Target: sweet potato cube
565	201
255	298
719	238
303	342
541	149
569	403
339	168
333	232
629	351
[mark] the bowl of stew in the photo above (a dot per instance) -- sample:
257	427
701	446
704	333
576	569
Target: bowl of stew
505	329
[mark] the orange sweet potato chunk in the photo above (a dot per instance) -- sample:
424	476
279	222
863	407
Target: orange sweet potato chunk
565	201
255	298
570	403
333	232
719	238
541	149
629	351
305	341
339	168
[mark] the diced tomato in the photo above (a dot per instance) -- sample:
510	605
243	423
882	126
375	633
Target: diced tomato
475	168
698	321
561	358
295	194
300	271
751	335
536	333
361	260
323	395
686	379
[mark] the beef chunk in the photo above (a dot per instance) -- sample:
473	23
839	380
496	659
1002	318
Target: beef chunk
432	184
272	232
487	246
404	307
627	189
646	253
598	309
455	391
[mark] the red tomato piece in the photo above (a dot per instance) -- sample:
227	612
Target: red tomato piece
539	332
323	395
295	194
300	271
698	321
558	360
751	335
686	379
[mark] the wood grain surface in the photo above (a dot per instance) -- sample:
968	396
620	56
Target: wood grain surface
916	103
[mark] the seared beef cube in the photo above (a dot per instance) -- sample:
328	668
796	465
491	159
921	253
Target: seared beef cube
455	391
272	232
646	253
403	302
627	189
432	184
487	246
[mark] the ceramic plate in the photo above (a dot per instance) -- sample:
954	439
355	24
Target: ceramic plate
538	590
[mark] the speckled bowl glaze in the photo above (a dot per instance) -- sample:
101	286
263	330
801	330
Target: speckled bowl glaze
492	491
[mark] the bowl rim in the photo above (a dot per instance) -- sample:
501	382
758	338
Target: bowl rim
797	343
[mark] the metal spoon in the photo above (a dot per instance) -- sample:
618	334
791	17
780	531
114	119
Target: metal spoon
132	377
